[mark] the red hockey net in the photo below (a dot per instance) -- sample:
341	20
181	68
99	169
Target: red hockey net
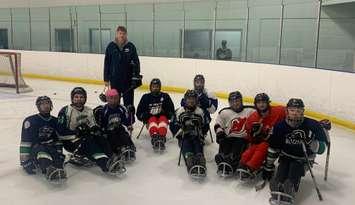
10	72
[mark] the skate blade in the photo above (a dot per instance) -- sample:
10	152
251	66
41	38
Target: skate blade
159	151
244	178
278	201
58	182
224	173
118	173
129	161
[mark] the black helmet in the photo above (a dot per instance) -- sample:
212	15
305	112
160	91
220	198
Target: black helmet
295	102
261	97
190	94
42	99
199	77
199	87
78	90
294	119
155	81
234	95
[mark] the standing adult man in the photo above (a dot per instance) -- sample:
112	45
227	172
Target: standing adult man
224	53
122	67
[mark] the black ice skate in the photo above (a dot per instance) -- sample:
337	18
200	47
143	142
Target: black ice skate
158	143
280	198
198	170
224	168
115	166
281	194
128	154
245	174
55	175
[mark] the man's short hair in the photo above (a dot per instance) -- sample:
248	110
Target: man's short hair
121	28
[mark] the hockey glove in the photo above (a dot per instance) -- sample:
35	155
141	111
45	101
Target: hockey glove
220	136
317	147
257	133
326	124
29	166
82	131
96	131
136	81
145	117
256	129
204	101
102	97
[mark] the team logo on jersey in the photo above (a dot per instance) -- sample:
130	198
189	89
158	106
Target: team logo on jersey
27	124
238	125
114	121
155	108
45	133
82	119
297	137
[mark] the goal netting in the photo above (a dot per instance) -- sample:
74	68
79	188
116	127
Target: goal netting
10	72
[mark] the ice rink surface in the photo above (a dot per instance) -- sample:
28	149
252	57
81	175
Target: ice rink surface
153	179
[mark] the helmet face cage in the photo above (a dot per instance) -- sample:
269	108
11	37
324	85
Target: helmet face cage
295	112
294	102
41	100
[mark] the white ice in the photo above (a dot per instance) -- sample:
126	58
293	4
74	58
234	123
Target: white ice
153	178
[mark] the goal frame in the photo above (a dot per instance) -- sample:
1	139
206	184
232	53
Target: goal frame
14	59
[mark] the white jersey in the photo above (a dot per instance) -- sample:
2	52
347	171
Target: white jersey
213	107
76	117
233	123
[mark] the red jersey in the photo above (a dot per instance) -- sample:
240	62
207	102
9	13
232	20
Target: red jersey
275	115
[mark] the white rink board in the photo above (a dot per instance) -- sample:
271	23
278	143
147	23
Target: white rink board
328	92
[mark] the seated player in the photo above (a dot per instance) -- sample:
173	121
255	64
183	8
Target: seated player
40	146
258	127
231	134
206	101
188	126
155	109
77	130
295	141
114	121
